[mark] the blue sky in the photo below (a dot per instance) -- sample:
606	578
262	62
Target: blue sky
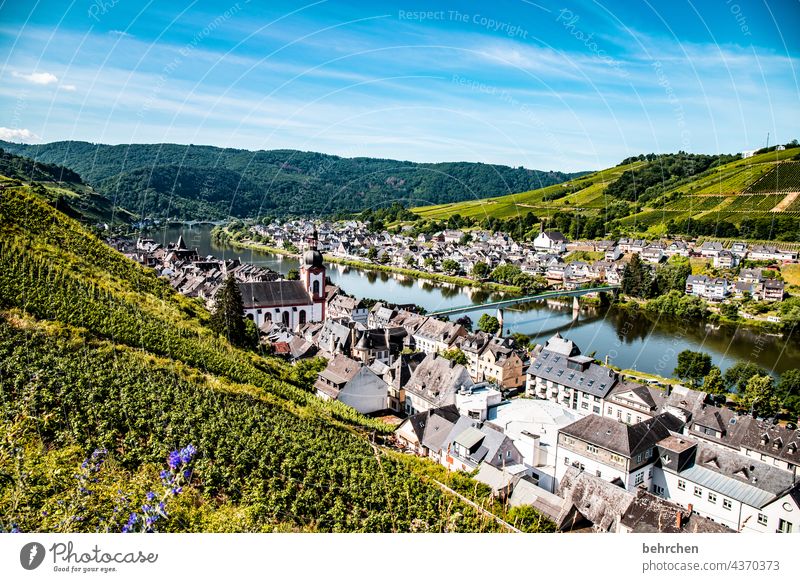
546	85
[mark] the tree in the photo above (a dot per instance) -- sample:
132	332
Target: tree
788	390
729	310
465	321
410	261
456	356
522	340
692	366
465	239
713	383
737	376
480	270
488	323
505	273
372	252
759	396
450	266
228	317
293	275
636	278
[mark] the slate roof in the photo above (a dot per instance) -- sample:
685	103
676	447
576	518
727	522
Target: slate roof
437	417
621	438
736	476
596	380
600	502
770	439
526	492
434	377
485	441
649	513
273	294
440	331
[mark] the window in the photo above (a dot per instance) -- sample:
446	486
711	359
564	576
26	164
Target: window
591	448
302	317
609	411
566	460
628	418
597	473
726	504
585	405
639	479
650	473
681	484
596	409
658	490
617	459
619	415
648	453
784	526
712	497
639	458
698	492
762	519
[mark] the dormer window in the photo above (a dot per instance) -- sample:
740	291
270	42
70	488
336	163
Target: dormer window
764	439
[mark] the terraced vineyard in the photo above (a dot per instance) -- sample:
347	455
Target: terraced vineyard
743	188
584	192
783	177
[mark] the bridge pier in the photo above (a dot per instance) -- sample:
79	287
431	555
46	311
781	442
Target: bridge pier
500	320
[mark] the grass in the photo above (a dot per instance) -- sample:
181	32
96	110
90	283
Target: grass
791	274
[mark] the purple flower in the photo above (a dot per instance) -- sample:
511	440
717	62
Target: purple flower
150	496
187	454
174	460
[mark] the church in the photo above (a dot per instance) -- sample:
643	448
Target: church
292	303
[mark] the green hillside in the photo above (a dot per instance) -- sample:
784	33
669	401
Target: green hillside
209	182
734	196
98	354
61	188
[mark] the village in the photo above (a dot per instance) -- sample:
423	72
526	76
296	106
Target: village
559	262
545	426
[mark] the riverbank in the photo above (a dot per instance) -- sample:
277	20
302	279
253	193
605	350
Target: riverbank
363	265
711	318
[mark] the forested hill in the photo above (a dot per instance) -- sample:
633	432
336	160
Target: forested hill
210	182
61	187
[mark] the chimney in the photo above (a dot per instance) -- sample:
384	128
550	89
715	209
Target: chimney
690	508
679	519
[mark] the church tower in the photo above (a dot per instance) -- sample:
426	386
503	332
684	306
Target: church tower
312	274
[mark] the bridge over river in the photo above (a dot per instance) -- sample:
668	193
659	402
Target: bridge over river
505	303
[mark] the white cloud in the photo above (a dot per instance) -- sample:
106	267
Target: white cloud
23	135
69	87
37	78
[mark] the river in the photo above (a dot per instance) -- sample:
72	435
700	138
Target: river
628	340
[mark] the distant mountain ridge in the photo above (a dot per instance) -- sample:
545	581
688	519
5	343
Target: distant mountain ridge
189	181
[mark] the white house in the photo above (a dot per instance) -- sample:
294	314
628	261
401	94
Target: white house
614	451
551	241
742	493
